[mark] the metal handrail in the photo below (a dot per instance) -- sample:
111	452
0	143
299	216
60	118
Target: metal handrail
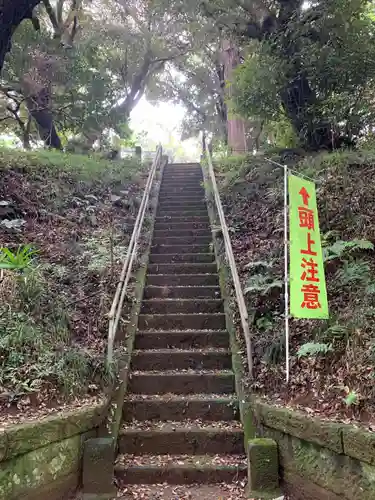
232	264
118	300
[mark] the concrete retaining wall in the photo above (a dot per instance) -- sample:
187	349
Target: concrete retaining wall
320	460
42	460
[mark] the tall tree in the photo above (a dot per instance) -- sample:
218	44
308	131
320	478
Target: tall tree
289	28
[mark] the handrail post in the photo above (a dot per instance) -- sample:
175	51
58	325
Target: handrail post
232	264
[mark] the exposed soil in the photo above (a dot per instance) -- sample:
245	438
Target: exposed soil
252	195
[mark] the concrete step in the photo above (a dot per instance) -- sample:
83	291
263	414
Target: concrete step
181	339
182	280
185	257
183	220
181	292
181	321
180	359
173	225
183	188
179	382
183	268
182	171
181	249
187	190
207	407
182	210
191	180
182	240
180	470
166	194
182	213
181	306
196	204
181	232
182	174
178	438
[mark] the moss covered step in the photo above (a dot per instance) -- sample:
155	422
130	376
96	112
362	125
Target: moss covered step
186	257
172	407
181	321
179	382
177	439
181	339
181	249
173	359
181	306
181	292
182	279
180	469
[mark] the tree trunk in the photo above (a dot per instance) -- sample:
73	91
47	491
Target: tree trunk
12	13
26	134
300	105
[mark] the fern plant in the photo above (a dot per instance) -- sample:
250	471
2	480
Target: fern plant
262	284
311	349
337	332
354	273
259	264
340	248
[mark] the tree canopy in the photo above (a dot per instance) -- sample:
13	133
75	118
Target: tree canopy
308	66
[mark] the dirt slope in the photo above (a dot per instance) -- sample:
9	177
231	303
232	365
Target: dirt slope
77	213
338	383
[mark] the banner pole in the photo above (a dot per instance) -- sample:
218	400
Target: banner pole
286	272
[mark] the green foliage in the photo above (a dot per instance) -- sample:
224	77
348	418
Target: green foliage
312	349
337	332
354	273
262	284
275	351
32	357
20	259
351	399
332	43
340	249
258	82
259	264
81	168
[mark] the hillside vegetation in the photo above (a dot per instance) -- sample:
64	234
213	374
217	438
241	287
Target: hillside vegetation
332	361
65	222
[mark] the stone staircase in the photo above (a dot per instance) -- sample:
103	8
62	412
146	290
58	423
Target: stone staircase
181	422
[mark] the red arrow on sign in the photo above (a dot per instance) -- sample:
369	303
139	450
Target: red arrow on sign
305	196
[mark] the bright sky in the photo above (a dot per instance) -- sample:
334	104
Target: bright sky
162	123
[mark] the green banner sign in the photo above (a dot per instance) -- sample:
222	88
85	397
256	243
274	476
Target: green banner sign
308	293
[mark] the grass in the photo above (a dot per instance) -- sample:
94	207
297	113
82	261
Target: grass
80	167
